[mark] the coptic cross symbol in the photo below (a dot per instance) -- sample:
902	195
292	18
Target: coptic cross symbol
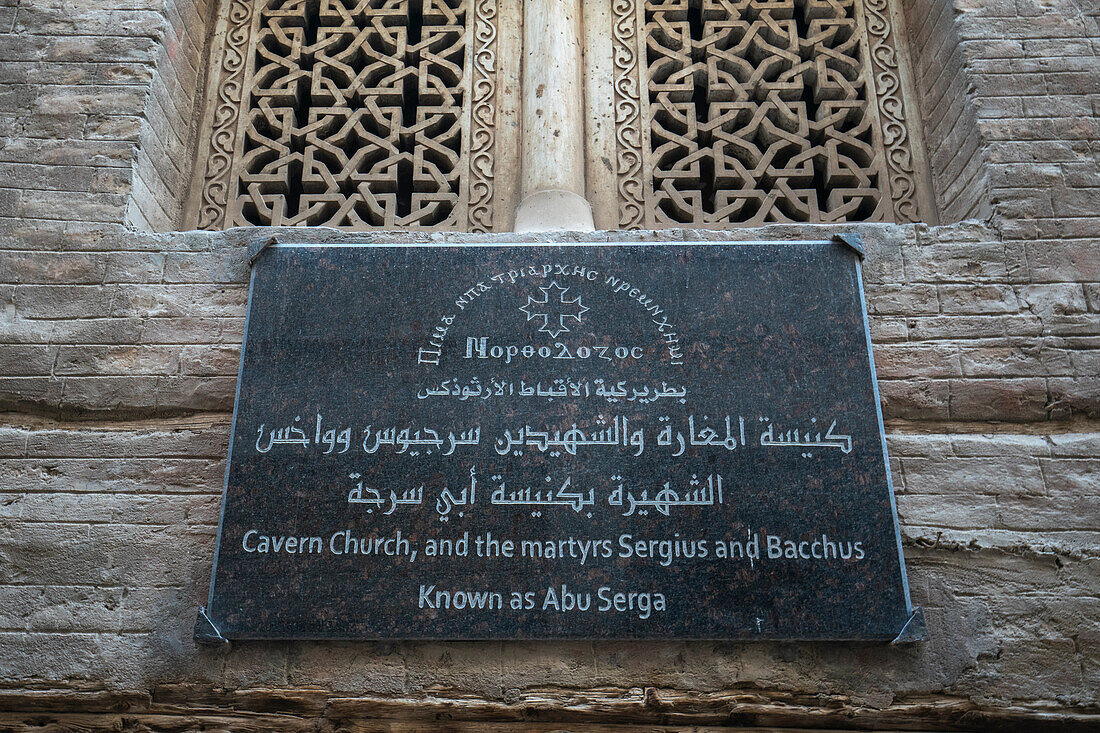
554	309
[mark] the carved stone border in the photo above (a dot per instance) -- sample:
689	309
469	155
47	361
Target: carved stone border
893	123
628	114
482	153
227	107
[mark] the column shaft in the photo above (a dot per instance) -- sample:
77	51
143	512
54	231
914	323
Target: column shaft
553	188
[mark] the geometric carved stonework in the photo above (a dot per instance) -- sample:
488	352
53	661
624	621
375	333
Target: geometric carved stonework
402	114
354	114
759	111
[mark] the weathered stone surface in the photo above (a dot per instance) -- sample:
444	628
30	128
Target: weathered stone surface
979	321
191	289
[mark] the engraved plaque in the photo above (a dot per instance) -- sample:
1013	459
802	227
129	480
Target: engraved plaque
558	441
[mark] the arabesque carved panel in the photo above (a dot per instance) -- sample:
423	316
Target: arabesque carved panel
355	114
393	114
760	111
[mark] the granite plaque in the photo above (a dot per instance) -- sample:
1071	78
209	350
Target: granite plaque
663	440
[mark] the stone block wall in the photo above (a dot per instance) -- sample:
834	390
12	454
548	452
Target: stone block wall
118	389
939	73
118	354
163	166
97	108
1008	91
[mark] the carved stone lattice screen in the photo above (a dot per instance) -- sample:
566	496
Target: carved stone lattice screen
746	112
352	113
404	114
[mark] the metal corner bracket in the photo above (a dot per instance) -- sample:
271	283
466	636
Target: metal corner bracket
206	633
257	247
914	629
851	240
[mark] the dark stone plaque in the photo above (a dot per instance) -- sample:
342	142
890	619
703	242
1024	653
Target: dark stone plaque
558	441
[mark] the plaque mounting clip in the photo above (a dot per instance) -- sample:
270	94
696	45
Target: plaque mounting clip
852	241
206	632
914	630
257	247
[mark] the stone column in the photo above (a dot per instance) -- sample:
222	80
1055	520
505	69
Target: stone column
552	179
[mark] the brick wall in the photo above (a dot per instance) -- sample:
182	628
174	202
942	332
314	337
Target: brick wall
957	154
118	355
1008	91
82	84
165	158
